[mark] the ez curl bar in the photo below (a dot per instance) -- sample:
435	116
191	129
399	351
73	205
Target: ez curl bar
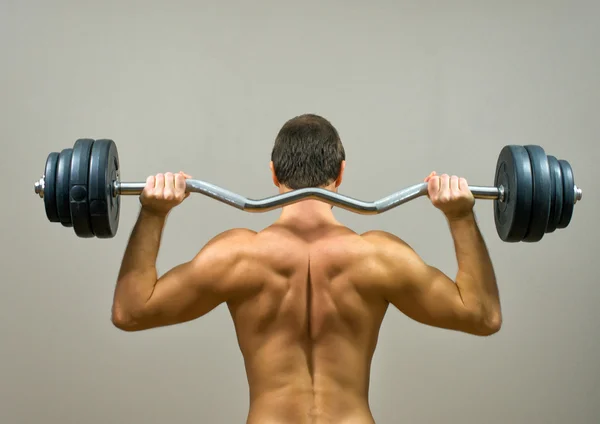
533	194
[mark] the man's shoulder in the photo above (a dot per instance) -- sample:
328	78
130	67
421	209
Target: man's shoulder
225	250
233	236
227	245
388	246
379	237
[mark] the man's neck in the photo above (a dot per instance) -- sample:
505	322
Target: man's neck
308	214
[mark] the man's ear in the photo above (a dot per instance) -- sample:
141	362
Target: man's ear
273	176
340	177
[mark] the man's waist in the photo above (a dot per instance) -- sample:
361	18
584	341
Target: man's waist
295	405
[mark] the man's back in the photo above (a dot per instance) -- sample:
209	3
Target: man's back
307	322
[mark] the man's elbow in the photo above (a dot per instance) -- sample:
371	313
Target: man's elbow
490	323
124	320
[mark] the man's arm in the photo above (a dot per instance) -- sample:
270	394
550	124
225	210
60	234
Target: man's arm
184	293
188	291
471	302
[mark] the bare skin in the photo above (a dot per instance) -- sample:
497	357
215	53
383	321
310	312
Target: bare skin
307	296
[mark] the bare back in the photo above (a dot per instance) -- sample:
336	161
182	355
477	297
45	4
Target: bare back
307	325
307	299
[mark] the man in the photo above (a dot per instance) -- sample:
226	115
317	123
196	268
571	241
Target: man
307	295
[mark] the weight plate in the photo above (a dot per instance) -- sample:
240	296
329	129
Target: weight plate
63	170
78	188
542	194
513	173
104	207
569	193
557	194
50	187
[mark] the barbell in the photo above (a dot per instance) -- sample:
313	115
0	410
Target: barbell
533	194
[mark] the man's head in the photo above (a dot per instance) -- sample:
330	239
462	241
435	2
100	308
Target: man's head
308	152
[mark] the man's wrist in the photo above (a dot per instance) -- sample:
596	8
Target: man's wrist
467	217
152	214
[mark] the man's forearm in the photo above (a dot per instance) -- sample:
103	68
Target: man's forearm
138	275
475	279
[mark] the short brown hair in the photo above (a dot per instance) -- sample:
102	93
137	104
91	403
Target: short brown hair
308	152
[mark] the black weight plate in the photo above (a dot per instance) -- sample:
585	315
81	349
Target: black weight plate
569	193
542	194
50	187
104	207
557	197
78	188
552	196
62	187
513	173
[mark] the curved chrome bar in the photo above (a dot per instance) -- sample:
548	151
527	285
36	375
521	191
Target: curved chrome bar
332	198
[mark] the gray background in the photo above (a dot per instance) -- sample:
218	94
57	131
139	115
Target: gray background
412	86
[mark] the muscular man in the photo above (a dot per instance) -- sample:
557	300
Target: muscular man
307	295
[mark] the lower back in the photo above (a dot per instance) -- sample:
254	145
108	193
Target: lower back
288	392
293	406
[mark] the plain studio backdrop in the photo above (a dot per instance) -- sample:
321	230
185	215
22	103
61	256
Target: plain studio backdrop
204	86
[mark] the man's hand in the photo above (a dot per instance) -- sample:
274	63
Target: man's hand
163	192
451	195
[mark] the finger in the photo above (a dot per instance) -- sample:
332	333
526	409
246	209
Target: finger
169	186
179	186
444	194
463	184
432	174
159	184
454	184
150	183
444	182
433	186
169	181
185	176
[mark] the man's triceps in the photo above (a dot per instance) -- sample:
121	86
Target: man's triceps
195	288
184	293
191	289
430	297
420	291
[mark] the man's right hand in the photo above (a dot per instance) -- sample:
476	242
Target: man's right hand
163	192
451	195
